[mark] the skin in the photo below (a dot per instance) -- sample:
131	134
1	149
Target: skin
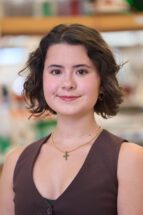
72	74
72	90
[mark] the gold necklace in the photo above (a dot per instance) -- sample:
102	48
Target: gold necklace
66	152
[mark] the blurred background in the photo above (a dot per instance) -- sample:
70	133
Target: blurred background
23	22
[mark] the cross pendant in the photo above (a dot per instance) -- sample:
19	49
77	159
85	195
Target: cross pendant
66	155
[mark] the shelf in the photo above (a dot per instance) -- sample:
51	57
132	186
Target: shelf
41	25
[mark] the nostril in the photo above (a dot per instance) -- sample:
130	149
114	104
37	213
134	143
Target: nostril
68	87
70	84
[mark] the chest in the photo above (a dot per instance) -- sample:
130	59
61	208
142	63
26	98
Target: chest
86	185
53	173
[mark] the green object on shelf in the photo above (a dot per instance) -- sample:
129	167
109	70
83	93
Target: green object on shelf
4	144
136	4
46	9
44	127
130	1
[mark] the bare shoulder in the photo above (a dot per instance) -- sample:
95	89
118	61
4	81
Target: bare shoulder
130	158
130	154
130	179
6	182
12	157
9	164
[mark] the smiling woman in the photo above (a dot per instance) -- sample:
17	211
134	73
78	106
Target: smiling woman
80	168
70	80
98	53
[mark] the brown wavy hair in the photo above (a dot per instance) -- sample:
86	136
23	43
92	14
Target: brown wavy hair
97	50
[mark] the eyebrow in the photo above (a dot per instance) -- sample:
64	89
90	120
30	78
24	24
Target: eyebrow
75	66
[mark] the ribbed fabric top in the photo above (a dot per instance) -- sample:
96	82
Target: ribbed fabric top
92	192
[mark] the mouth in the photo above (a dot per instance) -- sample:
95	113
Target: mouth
68	98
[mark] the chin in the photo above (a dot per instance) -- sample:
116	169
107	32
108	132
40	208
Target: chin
71	113
67	112
71	110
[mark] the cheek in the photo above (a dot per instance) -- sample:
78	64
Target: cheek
92	87
49	86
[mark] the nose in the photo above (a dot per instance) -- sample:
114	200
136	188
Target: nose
68	82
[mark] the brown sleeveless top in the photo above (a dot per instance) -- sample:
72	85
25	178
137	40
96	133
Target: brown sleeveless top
93	191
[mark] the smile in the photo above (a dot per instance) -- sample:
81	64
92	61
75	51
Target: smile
68	98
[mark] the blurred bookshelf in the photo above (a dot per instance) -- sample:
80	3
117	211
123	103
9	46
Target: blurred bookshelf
41	25
20	33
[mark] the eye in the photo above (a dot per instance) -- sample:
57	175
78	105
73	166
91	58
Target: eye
82	72
55	72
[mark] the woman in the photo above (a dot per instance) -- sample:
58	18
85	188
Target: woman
80	168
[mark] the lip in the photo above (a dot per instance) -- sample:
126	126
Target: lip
68	98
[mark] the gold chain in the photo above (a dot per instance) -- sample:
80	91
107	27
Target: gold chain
66	152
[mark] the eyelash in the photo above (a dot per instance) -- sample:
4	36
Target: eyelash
80	72
55	72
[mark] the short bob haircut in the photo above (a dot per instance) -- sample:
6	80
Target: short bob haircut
98	51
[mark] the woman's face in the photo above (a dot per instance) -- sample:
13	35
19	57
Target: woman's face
70	80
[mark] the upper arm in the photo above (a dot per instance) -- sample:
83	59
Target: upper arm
130	178
6	183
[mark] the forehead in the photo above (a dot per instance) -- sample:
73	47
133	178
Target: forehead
62	53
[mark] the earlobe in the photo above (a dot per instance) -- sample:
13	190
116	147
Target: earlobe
100	96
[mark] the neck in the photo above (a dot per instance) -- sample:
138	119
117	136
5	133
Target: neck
80	127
